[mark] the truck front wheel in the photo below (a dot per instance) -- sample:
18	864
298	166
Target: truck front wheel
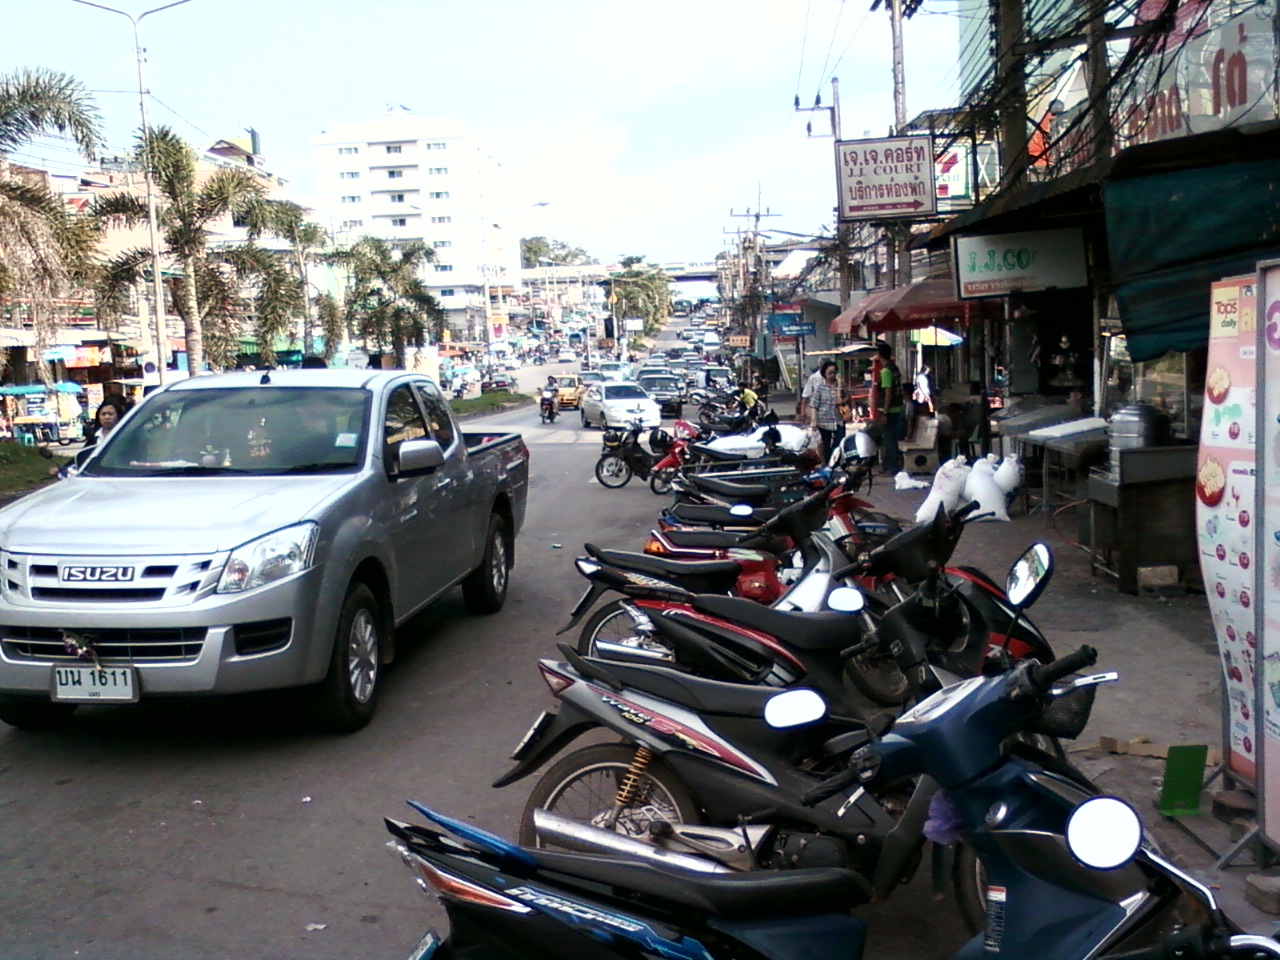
485	588
345	700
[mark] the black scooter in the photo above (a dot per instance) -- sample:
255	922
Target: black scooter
622	456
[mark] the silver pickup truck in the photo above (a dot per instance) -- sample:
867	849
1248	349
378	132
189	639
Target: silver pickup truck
253	531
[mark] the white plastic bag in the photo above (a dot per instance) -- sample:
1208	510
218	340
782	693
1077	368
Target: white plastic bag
1008	475
980	469
991	499
948	485
902	481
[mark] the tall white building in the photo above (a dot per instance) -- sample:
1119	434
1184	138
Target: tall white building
403	177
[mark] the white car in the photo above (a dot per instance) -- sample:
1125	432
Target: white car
566	356
613	403
615	369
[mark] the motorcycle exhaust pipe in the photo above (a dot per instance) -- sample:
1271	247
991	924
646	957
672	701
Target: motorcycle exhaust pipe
584	838
623	651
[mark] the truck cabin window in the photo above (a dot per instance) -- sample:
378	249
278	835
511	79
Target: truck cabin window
258	430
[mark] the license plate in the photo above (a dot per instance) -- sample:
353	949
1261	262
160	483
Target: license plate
427	946
86	684
535	731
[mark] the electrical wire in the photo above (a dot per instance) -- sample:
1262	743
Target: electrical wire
804	42
180	116
856	30
823	75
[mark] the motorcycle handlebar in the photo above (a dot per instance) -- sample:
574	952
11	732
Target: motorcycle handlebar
829	788
1042	676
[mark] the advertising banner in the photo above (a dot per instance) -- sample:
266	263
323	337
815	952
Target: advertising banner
1266	534
738	341
996	264
791	325
886	179
1224	503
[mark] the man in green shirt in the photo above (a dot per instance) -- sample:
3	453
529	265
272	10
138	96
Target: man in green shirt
890	414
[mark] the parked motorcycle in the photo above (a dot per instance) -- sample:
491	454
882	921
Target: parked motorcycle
622	456
548	405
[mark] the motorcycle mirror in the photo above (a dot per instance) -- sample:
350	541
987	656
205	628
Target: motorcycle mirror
1104	833
45	452
741	510
1029	575
794	708
846	600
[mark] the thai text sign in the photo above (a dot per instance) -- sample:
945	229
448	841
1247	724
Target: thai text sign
1208	76
1000	263
791	325
886	179
739	341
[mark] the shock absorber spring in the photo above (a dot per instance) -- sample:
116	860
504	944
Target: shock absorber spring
629	788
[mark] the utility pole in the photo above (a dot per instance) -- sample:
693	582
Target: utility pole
755	289
842	230
1013	90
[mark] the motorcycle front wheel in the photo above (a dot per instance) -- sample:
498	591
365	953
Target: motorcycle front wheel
660	480
583	786
707	414
612	471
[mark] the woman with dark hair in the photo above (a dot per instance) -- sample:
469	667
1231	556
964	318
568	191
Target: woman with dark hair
824	408
105	419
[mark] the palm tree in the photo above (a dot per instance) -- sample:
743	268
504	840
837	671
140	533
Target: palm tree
45	251
387	301
188	208
286	220
642	291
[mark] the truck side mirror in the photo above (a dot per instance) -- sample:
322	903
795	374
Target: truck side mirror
419	456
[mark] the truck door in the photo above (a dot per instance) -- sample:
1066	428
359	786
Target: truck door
423	563
468	495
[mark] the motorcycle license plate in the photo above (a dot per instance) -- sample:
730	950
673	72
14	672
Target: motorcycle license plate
427	946
87	684
535	731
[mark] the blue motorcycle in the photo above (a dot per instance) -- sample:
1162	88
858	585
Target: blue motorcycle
1066	875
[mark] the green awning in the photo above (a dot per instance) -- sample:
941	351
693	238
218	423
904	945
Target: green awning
1170	235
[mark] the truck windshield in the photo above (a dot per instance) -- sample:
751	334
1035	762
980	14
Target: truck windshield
252	430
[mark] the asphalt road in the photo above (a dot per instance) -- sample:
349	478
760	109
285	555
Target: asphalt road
203	830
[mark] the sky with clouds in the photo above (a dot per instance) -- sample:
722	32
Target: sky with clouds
640	126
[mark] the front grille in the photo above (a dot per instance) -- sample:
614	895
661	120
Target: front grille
138	645
97	594
262	635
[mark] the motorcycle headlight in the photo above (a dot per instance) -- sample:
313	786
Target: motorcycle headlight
268	559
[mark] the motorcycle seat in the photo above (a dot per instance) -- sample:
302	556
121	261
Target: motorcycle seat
714	513
722	540
823	630
729	488
692	691
711	453
661	567
745	895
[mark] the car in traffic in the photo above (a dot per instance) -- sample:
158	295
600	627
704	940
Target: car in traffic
666	389
568	389
618	403
273	535
566	356
615	369
710	341
499	381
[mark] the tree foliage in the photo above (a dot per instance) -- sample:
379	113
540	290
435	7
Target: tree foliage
642	290
287	220
46	251
208	291
387	302
535	250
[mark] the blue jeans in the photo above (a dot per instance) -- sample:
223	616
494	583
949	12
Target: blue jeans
895	427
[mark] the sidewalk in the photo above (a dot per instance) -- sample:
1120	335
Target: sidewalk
1169	690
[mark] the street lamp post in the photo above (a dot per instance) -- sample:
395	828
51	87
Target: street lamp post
162	339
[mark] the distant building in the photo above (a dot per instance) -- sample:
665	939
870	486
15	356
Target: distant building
402	177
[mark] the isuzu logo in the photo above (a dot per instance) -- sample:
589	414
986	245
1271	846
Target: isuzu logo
96	574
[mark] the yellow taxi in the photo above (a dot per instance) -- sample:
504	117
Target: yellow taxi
567	390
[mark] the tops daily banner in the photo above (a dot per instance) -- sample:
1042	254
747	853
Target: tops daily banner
1225	506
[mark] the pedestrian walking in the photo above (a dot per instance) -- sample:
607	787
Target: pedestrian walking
806	395
824	408
890	414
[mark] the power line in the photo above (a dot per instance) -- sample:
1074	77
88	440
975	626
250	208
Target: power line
804	42
856	30
180	116
830	46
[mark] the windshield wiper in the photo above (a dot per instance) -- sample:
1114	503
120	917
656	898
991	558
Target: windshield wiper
195	470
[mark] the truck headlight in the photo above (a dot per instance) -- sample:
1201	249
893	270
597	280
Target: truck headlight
268	559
